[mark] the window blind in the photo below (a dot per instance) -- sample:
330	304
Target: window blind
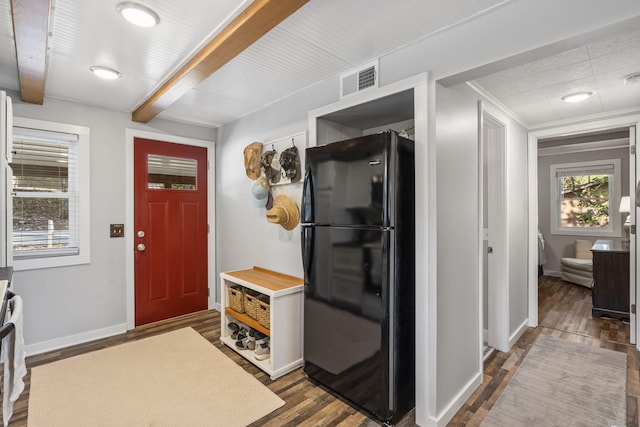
45	189
586	171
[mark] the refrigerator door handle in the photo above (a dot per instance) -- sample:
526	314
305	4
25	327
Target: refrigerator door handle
307	251
389	301
307	198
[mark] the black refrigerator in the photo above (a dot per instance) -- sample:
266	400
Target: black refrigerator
358	251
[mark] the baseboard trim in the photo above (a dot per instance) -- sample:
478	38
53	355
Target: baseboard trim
44	346
552	273
286	369
458	401
518	333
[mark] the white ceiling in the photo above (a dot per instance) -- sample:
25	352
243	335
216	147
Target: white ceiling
320	41
533	90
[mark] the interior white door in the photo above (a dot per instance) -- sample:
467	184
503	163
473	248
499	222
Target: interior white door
493	134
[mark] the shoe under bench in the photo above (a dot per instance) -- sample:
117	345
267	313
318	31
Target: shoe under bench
285	305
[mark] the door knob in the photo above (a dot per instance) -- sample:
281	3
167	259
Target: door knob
141	234
141	247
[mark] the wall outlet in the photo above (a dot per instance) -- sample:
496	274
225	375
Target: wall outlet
117	230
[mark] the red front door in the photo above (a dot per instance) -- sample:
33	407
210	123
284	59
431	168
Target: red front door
170	236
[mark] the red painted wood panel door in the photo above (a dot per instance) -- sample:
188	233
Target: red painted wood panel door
170	236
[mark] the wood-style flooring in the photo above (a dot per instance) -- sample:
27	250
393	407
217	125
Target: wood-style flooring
306	404
564	313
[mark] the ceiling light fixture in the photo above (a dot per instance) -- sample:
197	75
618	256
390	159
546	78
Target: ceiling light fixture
105	72
138	14
576	97
632	78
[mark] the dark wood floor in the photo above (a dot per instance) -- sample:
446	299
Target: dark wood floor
564	313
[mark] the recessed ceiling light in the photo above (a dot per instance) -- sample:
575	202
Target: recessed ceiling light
138	14
576	97
105	72
632	78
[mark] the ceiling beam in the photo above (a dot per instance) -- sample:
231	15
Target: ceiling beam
31	33
254	22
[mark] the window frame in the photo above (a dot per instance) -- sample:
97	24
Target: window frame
614	229
84	199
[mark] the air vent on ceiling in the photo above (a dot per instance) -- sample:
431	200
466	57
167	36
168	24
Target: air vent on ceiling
360	79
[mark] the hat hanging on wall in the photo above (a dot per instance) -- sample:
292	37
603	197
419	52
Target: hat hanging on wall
261	192
290	162
252	153
266	163
284	212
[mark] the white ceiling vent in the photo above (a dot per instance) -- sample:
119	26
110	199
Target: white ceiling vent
357	80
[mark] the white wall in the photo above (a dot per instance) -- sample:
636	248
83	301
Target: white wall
458	253
73	304
245	238
517	226
458	282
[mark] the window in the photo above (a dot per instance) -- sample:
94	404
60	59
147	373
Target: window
50	194
584	198
171	173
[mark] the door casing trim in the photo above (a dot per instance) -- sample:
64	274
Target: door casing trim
565	130
498	290
129	213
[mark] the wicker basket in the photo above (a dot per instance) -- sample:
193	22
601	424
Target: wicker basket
251	303
264	312
236	298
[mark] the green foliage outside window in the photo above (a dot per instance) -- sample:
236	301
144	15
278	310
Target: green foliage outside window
585	201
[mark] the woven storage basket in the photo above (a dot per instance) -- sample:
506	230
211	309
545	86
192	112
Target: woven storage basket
264	312
251	303
236	298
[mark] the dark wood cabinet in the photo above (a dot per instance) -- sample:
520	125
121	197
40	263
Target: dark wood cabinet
610	279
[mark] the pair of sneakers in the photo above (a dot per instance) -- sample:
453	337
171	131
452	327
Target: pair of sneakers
237	330
246	340
244	337
250	339
262	350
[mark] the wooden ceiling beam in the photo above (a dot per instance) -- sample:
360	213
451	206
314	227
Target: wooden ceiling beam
31	33
254	22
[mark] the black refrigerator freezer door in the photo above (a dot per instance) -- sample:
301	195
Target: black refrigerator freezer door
345	319
346	182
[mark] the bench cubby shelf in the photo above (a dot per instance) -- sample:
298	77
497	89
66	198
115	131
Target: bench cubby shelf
285	305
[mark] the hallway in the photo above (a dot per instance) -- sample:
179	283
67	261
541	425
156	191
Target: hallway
565	313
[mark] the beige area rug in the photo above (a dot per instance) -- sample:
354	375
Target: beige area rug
562	383
174	379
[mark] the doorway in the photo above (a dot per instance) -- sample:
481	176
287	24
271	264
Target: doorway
170	226
629	122
131	239
494	267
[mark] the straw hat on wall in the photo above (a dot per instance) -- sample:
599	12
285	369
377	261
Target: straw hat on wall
284	212
252	153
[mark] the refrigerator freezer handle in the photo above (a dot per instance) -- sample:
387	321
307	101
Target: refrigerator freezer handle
307	198
307	251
